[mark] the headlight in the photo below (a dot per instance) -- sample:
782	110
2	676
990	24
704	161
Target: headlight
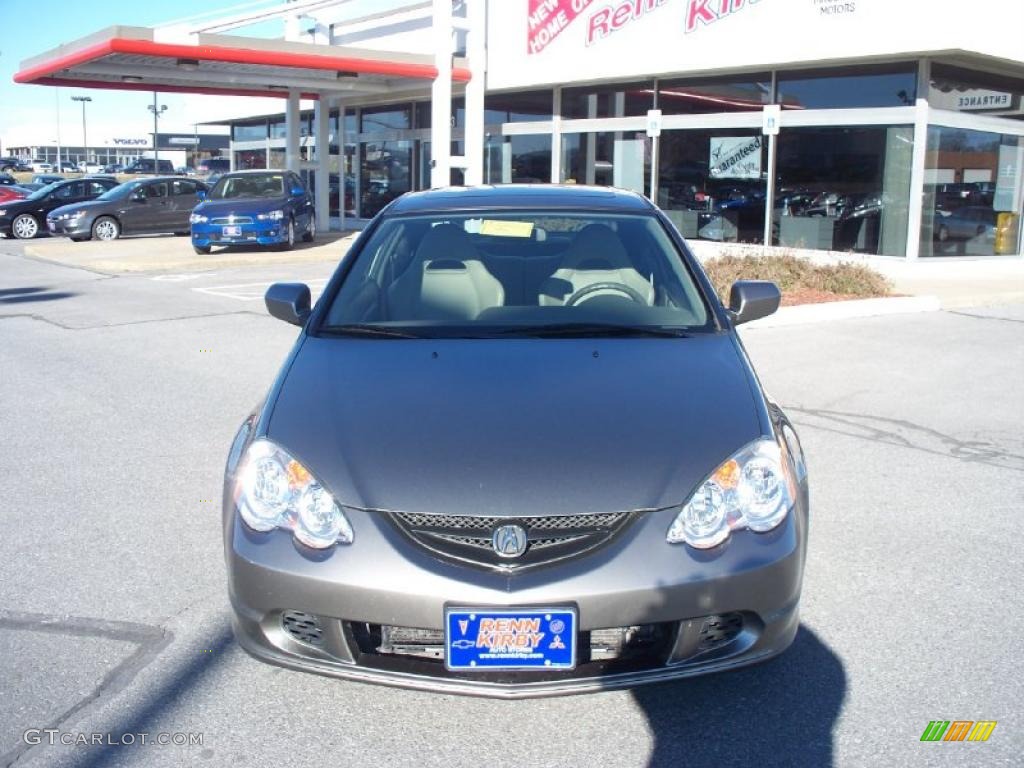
3	212
275	491
198	218
270	216
754	489
74	215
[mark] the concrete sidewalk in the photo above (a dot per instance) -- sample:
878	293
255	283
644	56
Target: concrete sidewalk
175	254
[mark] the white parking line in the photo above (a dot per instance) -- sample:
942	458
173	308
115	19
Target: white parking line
182	277
254	291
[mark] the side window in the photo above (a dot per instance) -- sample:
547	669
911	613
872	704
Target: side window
156	190
68	192
184	187
95	189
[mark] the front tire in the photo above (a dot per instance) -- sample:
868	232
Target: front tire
201	249
289	240
310	234
106	228
25	227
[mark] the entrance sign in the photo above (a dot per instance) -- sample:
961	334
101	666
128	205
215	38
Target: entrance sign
770	119
653	123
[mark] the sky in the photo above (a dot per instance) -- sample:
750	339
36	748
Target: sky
32	110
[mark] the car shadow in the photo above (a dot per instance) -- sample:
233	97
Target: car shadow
32	293
781	712
322	238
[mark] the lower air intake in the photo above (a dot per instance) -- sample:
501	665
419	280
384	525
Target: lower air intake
304	627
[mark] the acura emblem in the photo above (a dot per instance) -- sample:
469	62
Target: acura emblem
509	541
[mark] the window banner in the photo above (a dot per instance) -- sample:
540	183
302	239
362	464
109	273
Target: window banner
735	157
547	19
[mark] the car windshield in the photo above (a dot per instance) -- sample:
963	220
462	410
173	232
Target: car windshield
42	192
121	190
249	185
528	273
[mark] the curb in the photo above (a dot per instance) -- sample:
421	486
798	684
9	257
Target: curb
845	310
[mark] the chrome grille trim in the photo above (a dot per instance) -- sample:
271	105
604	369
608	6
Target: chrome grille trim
225	221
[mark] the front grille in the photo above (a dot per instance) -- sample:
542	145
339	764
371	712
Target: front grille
548	538
304	627
227	221
599	652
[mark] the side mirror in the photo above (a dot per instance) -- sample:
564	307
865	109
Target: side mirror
753	299
289	302
296	191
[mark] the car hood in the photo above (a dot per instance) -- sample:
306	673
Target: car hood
240	206
515	427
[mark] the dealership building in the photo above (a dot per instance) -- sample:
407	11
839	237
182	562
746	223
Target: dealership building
868	126
181	149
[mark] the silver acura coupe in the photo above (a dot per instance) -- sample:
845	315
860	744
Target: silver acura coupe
518	449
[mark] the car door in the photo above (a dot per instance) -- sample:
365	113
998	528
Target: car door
302	204
159	211
184	197
134	211
66	194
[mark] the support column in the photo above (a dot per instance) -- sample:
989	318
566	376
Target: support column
441	97
476	51
292	157
342	177
321	115
915	217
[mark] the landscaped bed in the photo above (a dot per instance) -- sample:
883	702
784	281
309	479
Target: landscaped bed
801	281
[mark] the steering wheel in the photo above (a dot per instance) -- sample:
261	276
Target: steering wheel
586	290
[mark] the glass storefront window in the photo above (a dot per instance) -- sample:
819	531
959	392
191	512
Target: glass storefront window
712	185
250	158
391	118
249	131
277	158
619	100
385	174
611	159
691	97
844	189
879	86
520	107
277	127
964	90
972	193
517	159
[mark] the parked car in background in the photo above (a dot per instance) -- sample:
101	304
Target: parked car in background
14	165
148	165
24	219
133	208
6	180
9	192
964	223
471	342
66	166
213	165
93	168
41	166
113	168
41	180
254	208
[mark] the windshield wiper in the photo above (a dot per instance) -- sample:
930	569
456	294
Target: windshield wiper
372	331
597	330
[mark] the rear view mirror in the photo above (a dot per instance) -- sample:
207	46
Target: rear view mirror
753	299
289	302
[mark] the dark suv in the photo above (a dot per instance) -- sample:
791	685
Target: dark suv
147	165
13	164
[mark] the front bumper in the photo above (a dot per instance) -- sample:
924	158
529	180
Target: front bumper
258	233
636	580
82	226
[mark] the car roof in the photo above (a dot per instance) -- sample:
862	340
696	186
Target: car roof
512	196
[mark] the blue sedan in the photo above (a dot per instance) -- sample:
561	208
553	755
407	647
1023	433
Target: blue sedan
254	208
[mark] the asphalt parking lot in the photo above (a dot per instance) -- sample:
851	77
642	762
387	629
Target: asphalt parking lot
120	395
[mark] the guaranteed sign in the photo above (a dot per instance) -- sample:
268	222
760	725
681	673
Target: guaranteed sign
735	157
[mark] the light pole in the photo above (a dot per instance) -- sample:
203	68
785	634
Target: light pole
85	139
156	135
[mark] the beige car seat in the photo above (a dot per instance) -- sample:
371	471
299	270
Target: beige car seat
596	255
444	281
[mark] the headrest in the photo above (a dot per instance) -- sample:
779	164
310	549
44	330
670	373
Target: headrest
596	246
446	242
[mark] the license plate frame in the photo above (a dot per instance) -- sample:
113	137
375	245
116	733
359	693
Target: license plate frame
465	628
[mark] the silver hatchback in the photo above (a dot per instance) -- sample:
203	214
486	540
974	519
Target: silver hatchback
518	449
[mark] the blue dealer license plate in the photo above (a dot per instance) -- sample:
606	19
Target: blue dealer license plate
230	231
477	638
